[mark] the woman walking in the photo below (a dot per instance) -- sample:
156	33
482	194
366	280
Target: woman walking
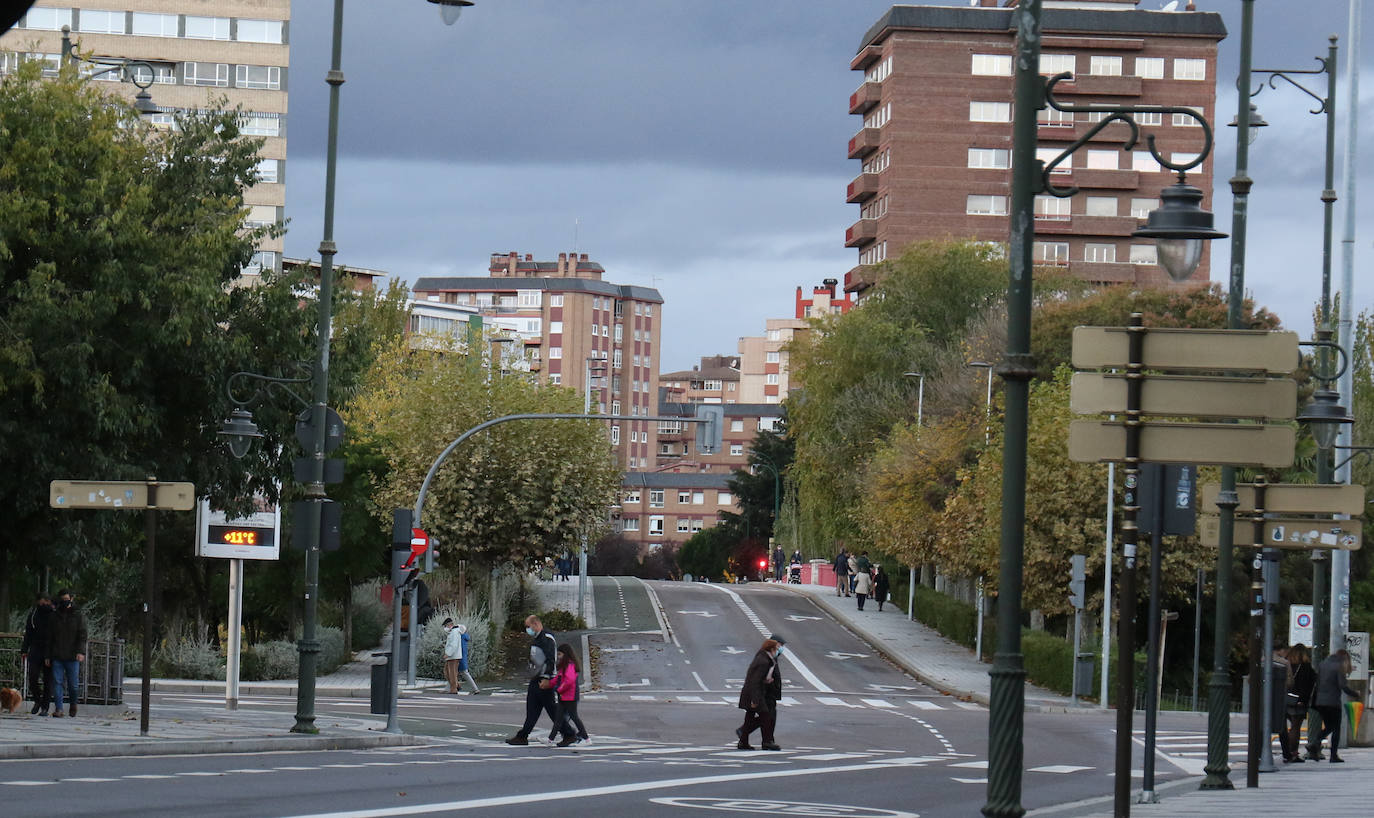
863	586
880	586
1326	700
760	695
1299	698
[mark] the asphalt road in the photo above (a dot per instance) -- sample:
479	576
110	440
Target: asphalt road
859	737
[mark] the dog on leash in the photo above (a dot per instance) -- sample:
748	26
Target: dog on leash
10	699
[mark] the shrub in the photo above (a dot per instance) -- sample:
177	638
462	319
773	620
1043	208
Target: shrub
559	620
332	655
370	616
183	656
270	660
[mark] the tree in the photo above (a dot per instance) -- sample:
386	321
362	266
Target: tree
516	490
707	552
757	489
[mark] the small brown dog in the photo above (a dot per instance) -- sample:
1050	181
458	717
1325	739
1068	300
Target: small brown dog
10	699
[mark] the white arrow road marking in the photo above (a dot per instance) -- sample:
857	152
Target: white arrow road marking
706	614
634	647
799	617
640	683
835	654
889	688
732	650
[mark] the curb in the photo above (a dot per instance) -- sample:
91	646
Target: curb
254	744
925	678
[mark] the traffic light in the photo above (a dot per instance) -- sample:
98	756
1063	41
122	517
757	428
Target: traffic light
710	430
401	569
1078	566
432	555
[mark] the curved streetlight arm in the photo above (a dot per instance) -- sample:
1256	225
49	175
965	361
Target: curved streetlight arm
1355	451
439	461
267	383
1345	358
123	66
1323	103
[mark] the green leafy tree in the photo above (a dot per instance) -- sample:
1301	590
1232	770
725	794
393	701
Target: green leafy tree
757	490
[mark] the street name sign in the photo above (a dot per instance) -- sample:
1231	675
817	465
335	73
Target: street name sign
1188	349
1304	534
119	494
1215	444
1291	498
1097	393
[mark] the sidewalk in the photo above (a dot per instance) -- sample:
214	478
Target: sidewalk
559	594
942	664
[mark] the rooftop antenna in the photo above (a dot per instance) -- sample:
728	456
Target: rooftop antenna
577	225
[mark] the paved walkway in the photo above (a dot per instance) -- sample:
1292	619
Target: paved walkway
922	652
558	594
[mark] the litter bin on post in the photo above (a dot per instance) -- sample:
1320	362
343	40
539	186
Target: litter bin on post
381	681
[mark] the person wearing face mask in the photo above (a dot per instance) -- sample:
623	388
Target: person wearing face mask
66	651
539	695
34	650
760	695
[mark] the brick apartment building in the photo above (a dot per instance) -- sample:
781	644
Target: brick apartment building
714	380
677	450
935	140
658	508
569	321
238	49
764	365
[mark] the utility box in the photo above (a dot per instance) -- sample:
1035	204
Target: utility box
1083	673
381	679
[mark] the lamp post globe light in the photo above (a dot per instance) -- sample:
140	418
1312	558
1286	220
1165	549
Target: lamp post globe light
239	428
140	73
1030	177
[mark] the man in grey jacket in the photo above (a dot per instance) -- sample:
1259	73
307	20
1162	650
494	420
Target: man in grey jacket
1326	700
539	695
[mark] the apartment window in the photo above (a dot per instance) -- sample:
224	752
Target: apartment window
772	357
875	253
730	387
880	71
989	112
1099	252
163	73
1101	206
1052	208
1182	158
696	525
880	116
632	496
1140	208
615	441
655	526
207	28
1103	160
698	498
684	496
616	360
1144	161
615	407
723	498
636	360
993	158
528	298
1055	118
555	327
153	25
774	334
262	260
1051	64
875	209
1187	120
594	330
992	65
47	19
100	22
259	31
206	73
1104	66
737	425
630	524
1189	69
648	310
260	216
984	205
1149	118
1149	68
682	525
556	300
655	498
712	385
771	379
1048	155
484	299
736	449
1051	252
257	76
879	162
1143	254
639	308
555	352
619	333
556	378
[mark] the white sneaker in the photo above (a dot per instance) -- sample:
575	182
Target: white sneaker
584	742
547	742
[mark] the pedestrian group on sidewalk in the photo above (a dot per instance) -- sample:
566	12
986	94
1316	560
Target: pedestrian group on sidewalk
53	648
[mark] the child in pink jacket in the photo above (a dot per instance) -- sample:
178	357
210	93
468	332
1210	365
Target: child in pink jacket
564	683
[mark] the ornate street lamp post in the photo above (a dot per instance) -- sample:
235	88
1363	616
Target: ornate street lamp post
137	72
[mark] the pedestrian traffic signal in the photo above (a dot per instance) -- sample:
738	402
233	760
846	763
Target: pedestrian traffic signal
402	568
1078	565
763	564
432	555
710	429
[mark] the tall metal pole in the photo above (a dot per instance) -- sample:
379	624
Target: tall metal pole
1197	635
1126	602
1006	713
1103	698
1155	474
235	626
1218	768
149	590
1340	560
309	645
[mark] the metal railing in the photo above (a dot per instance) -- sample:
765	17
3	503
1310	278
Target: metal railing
102	674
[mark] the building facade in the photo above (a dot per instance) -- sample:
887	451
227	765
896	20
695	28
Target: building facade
574	328
714	380
677	451
935	139
657	508
198	51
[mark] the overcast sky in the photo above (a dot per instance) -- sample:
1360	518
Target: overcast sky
700	148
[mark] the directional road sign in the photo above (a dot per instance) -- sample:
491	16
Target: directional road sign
1296	533
1291	498
1096	393
120	494
1217	444
1189	349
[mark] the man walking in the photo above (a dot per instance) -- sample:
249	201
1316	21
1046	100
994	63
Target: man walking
842	574
66	651
760	695
34	650
778	564
539	695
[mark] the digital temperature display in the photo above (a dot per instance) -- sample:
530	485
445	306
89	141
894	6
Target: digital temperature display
239	535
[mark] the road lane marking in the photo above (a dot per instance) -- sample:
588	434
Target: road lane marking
972	765
617	685
96	780
666	632
968	705
970	780
27	783
878	702
702	684
922	704
834	702
758	623
1057	768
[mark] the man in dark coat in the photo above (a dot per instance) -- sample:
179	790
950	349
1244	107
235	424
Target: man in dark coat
34	650
760	695
842	574
1326	700
539	695
66	651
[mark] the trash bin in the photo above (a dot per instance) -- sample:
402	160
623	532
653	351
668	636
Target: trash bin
1083	673
381	682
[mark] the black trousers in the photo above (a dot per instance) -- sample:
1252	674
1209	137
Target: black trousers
762	720
538	700
40	681
861	597
1331	726
1295	720
566	715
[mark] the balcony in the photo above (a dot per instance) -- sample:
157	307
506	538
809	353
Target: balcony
1107	272
1105	225
1053	225
864	142
1103	86
859	278
866	57
861	232
1116	133
1101	178
865	97
863	188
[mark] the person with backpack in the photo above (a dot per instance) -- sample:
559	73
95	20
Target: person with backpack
456	656
564	683
538	696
